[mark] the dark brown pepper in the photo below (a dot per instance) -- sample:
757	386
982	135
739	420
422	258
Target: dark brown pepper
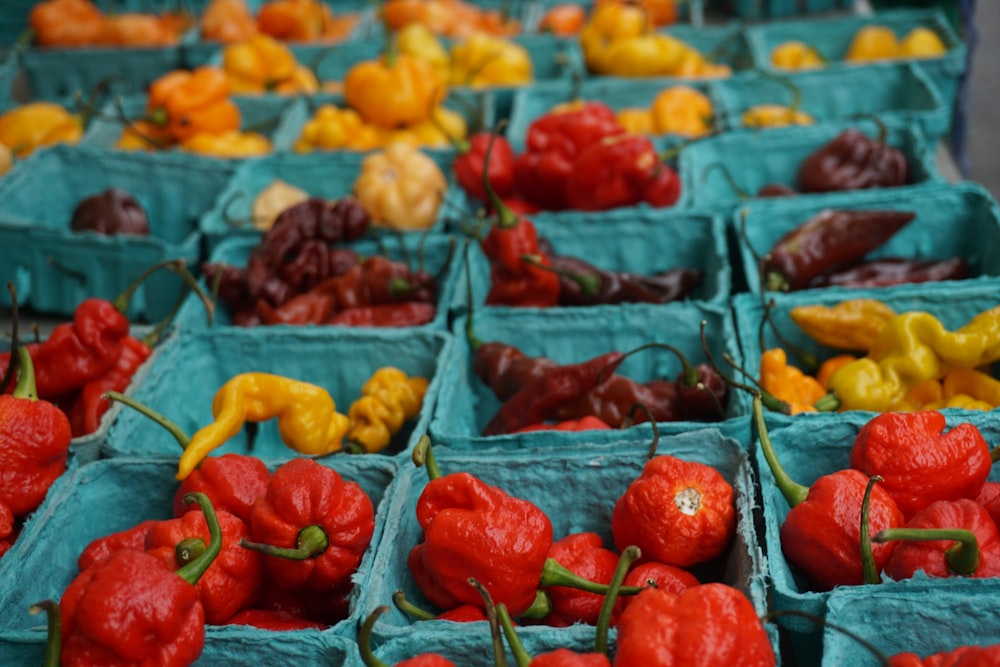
110	212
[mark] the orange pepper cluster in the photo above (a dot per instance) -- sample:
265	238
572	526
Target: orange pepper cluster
79	23
231	21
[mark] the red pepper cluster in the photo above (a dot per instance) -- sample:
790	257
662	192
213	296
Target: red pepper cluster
289	543
580	158
298	274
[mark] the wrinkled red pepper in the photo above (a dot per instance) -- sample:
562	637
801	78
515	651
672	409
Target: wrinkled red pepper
86	412
588	423
409	314
274	620
102	547
470	165
620	170
232	481
667	578
583	554
963	656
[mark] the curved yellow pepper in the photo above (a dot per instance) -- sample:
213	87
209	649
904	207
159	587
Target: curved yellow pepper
485	60
853	324
307	417
774	115
30	126
388	399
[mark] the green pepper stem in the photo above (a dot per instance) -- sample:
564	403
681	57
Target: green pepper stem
555	574
25	387
182	438
869	568
829	403
365	638
540	608
309	543
521	655
588	284
505	217
689	374
53	645
194	569
628	556
728	176
410	609
771	402
794	493
499	658
178	266
962	557
470	333
423	455
14	340
188	549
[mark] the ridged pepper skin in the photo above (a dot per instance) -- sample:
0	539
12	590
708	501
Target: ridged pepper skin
918	461
963	656
667	578
89	406
233	482
104	546
584	554
426	660
677	512
563	657
472	529
303	493
706	626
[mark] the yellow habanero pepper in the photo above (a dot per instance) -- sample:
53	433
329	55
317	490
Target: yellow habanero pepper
417	40
682	110
795	55
485	60
849	325
610	23
401	187
872	42
441	130
30	126
976	384
263	64
397	89
388	399
636	120
921	43
774	115
788	383
307	417
333	128
230	144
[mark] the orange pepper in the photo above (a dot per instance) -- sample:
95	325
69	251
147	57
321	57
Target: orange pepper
132	29
66	23
394	90
563	20
141	135
185	103
660	12
37	124
302	21
227	21
923	395
788	383
263	64
828	367
682	110
230	144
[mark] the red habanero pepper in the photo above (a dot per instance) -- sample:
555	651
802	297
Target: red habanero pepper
707	625
470	164
312	526
104	546
131	609
821	535
677	512
466	613
88	408
963	656
368	656
667	578
34	445
232	581
853	161
233	482
408	314
620	170
989	497
583	554
588	423
945	539
274	620
918	462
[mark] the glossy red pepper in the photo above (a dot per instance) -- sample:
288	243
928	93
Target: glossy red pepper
853	161
131	609
588	423
34	446
918	461
274	620
232	481
88	408
667	578
470	163
231	582
620	170
102	547
707	625
821	534
944	539
963	656
583	554
312	526
677	512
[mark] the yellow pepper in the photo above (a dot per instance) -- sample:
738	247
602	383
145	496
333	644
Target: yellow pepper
872	42
775	115
973	383
388	399
636	120
440	130
231	144
788	383
307	417
610	23
417	40
921	43
830	366
30	126
486	60
401	187
263	64
693	64
649	55
6	159
795	55
397	89
332	128
849	325
272	201
682	110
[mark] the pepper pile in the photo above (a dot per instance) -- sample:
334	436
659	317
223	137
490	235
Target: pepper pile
231	21
79	23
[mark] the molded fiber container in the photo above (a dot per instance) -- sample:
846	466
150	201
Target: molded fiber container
960	220
589	482
724	44
115	494
808	450
697	240
264	115
9	71
56	268
755	159
923	618
954	304
188	369
575	335
755	10
896	92
832	37
438	254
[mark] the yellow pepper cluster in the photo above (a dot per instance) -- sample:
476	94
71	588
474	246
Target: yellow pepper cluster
388	399
31	126
876	42
796	55
338	128
262	64
618	39
678	110
764	116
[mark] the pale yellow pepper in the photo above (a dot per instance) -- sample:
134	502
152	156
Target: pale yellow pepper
872	42
417	40
922	43
335	128
232	144
30	126
774	115
401	187
485	60
388	399
795	55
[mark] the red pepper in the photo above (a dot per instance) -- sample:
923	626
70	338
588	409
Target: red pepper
34	446
821	535
102	547
588	423
470	163
583	554
312	525
888	271
563	657
853	161
409	314
86	412
620	170
131	609
232	581
232	481
667	578
663	187
613	399
944	539
326	607
274	620
963	656
505	369
918	462
368	657
711	624
677	512
989	497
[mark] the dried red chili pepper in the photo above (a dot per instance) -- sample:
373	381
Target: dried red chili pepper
273	620
131	609
505	369
827	240
112	211
944	539
888	271
409	314
102	547
233	482
232	581
470	164
659	628
34	446
821	535
853	161
918	462
88	408
583	554
312	526
613	400
583	284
